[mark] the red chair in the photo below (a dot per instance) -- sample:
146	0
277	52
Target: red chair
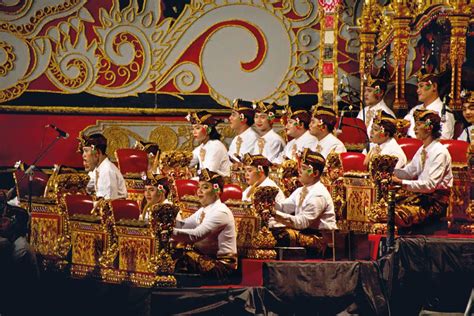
79	204
186	187
353	134
131	160
410	146
125	209
231	192
353	161
40	180
458	149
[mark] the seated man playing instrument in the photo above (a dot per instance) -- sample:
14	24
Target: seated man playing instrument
382	142
308	209
322	125
157	189
106	180
211	230
426	180
467	98
211	153
256	175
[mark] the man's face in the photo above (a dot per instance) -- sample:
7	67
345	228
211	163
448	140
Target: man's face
377	134
199	132
252	175
372	96
315	127
292	127
262	123
306	174
426	91
206	193
422	130
468	112
234	120
153	195
90	158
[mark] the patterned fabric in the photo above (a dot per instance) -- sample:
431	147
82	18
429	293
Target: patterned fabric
308	238
219	268
416	208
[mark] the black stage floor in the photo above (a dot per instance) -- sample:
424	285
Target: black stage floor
421	274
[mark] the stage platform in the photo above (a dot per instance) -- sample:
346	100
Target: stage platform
430	273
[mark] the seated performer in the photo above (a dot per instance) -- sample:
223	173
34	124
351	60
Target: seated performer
256	175
106	180
322	125
428	87
269	144
468	113
211	152
297	128
157	190
374	92
212	231
382	142
427	179
308	209
241	120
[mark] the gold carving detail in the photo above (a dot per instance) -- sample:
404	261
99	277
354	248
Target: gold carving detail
165	137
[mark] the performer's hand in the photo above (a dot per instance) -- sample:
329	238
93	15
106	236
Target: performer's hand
396	180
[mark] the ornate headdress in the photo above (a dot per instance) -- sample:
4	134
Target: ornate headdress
325	115
386	121
244	108
313	159
94	141
376	83
427	116
467	96
261	107
211	177
201	117
256	160
159	181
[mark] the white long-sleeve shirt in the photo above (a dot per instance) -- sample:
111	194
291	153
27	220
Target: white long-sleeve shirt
215	157
249	137
372	111
330	143
211	229
316	210
436	173
466	134
304	141
447	127
273	145
391	147
107	181
265	183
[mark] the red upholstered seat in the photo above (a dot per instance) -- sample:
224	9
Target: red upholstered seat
353	161
125	209
186	187
231	192
410	146
40	179
354	133
457	149
79	204
132	160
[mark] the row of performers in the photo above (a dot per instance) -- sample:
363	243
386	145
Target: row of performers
423	198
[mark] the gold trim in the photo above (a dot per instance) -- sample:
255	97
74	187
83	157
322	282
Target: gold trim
98	110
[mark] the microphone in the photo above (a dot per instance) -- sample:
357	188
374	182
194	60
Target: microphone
61	133
341	85
339	124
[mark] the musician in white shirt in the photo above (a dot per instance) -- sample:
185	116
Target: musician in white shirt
374	91
211	230
381	139
211	153
269	144
322	125
427	179
241	121
428	86
296	127
256	175
157	189
308	209
106	180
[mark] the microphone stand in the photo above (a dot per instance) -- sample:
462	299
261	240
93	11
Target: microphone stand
30	172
